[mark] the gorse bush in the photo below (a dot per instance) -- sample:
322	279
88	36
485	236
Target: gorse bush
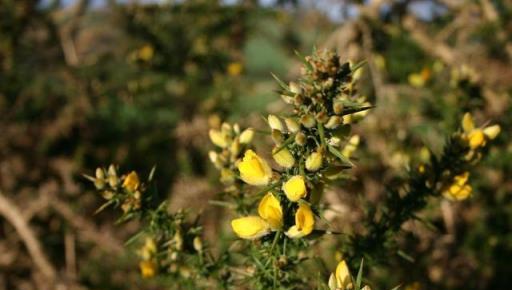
275	196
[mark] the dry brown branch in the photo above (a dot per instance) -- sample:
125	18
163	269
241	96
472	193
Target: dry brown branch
87	230
11	213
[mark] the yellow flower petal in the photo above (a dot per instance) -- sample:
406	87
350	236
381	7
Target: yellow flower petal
492	131
459	190
476	139
270	210
246	136
275	123
467	123
343	275
295	188
304	222
148	268
254	170
218	138
250	227
131	182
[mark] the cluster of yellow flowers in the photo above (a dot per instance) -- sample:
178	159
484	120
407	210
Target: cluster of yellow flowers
110	185
148	265
231	143
475	139
312	147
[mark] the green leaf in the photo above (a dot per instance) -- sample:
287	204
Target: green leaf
360	275
133	238
320	128
405	256
358	65
280	82
355	110
104	206
285	143
338	154
152	173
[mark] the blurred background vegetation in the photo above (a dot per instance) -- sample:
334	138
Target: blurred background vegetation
138	83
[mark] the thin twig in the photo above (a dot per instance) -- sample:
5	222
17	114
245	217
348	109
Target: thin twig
11	213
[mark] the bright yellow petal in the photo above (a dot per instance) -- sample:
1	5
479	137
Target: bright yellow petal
343	275
304	222
476	139
467	123
295	188
270	210
492	131
254	170
131	181
250	227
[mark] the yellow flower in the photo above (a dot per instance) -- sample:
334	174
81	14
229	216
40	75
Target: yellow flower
218	138
295	188
304	222
250	227
283	157
314	161
149	249
459	190
246	136
477	137
235	69
131	182
341	278
146	52
270	210
147	269
254	170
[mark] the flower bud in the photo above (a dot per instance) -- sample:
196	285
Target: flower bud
218	138
300	138
334	122
198	244
234	149
295	88
337	107
322	117
236	128
283	157
277	136
226	129
287	99
314	161
292	125
213	156
275	123
308	121
246	136
227	176
100	174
